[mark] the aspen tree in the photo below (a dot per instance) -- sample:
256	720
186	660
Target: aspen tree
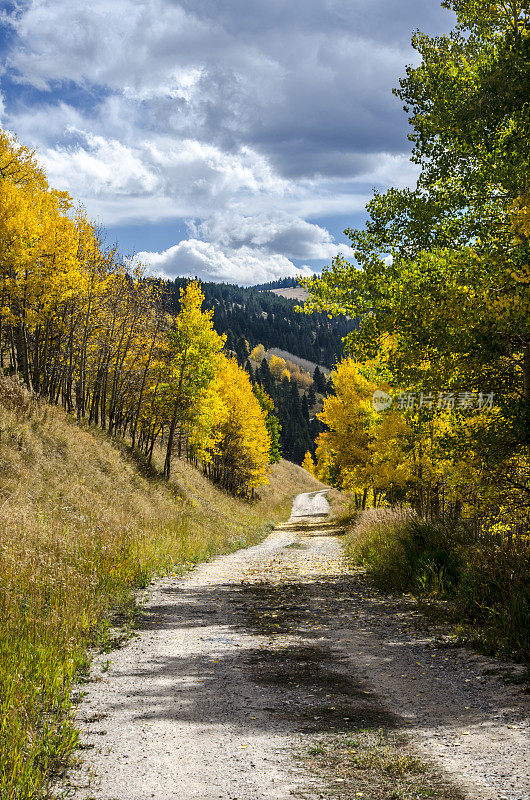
242	451
195	357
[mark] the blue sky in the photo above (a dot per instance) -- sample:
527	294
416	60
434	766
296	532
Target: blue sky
232	140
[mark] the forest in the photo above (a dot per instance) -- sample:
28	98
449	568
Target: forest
260	317
82	330
151	361
296	397
282	283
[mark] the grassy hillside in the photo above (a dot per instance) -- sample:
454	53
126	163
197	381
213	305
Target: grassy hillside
82	525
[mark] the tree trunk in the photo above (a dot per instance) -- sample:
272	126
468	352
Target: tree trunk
526	385
170	439
22	352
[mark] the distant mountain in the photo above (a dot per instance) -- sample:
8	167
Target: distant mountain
297	293
260	316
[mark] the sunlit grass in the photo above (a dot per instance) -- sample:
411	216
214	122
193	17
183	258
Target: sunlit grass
376	764
81	528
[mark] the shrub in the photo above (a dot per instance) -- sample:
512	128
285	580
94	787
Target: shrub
494	591
485	576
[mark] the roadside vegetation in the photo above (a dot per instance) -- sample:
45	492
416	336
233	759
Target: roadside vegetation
84	523
485	579
430	411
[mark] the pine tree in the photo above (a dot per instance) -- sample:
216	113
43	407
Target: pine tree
319	381
265	378
248	368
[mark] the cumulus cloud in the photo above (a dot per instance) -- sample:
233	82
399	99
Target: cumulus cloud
248	117
244	249
182	178
99	166
196	258
272	233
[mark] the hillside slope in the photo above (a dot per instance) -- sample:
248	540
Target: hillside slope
82	525
263	317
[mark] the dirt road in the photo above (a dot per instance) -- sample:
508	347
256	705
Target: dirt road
245	672
310	504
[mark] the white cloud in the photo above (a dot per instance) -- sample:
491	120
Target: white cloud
306	91
269	233
196	258
157	177
390	169
201	105
99	167
123	44
244	249
248	117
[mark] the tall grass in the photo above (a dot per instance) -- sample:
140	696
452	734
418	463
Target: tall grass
80	530
485	576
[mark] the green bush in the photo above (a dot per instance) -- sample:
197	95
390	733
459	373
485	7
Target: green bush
486	577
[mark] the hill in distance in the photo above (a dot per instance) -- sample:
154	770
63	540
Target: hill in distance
297	293
285	287
260	315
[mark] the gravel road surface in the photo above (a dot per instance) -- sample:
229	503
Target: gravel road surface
310	504
225	680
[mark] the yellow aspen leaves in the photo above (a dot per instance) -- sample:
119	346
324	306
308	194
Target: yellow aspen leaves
83	328
241	456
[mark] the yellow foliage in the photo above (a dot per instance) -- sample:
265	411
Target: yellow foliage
241	455
373	454
308	463
258	353
277	366
519	218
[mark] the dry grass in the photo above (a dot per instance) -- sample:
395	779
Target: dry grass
380	518
81	527
372	541
376	764
290	479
